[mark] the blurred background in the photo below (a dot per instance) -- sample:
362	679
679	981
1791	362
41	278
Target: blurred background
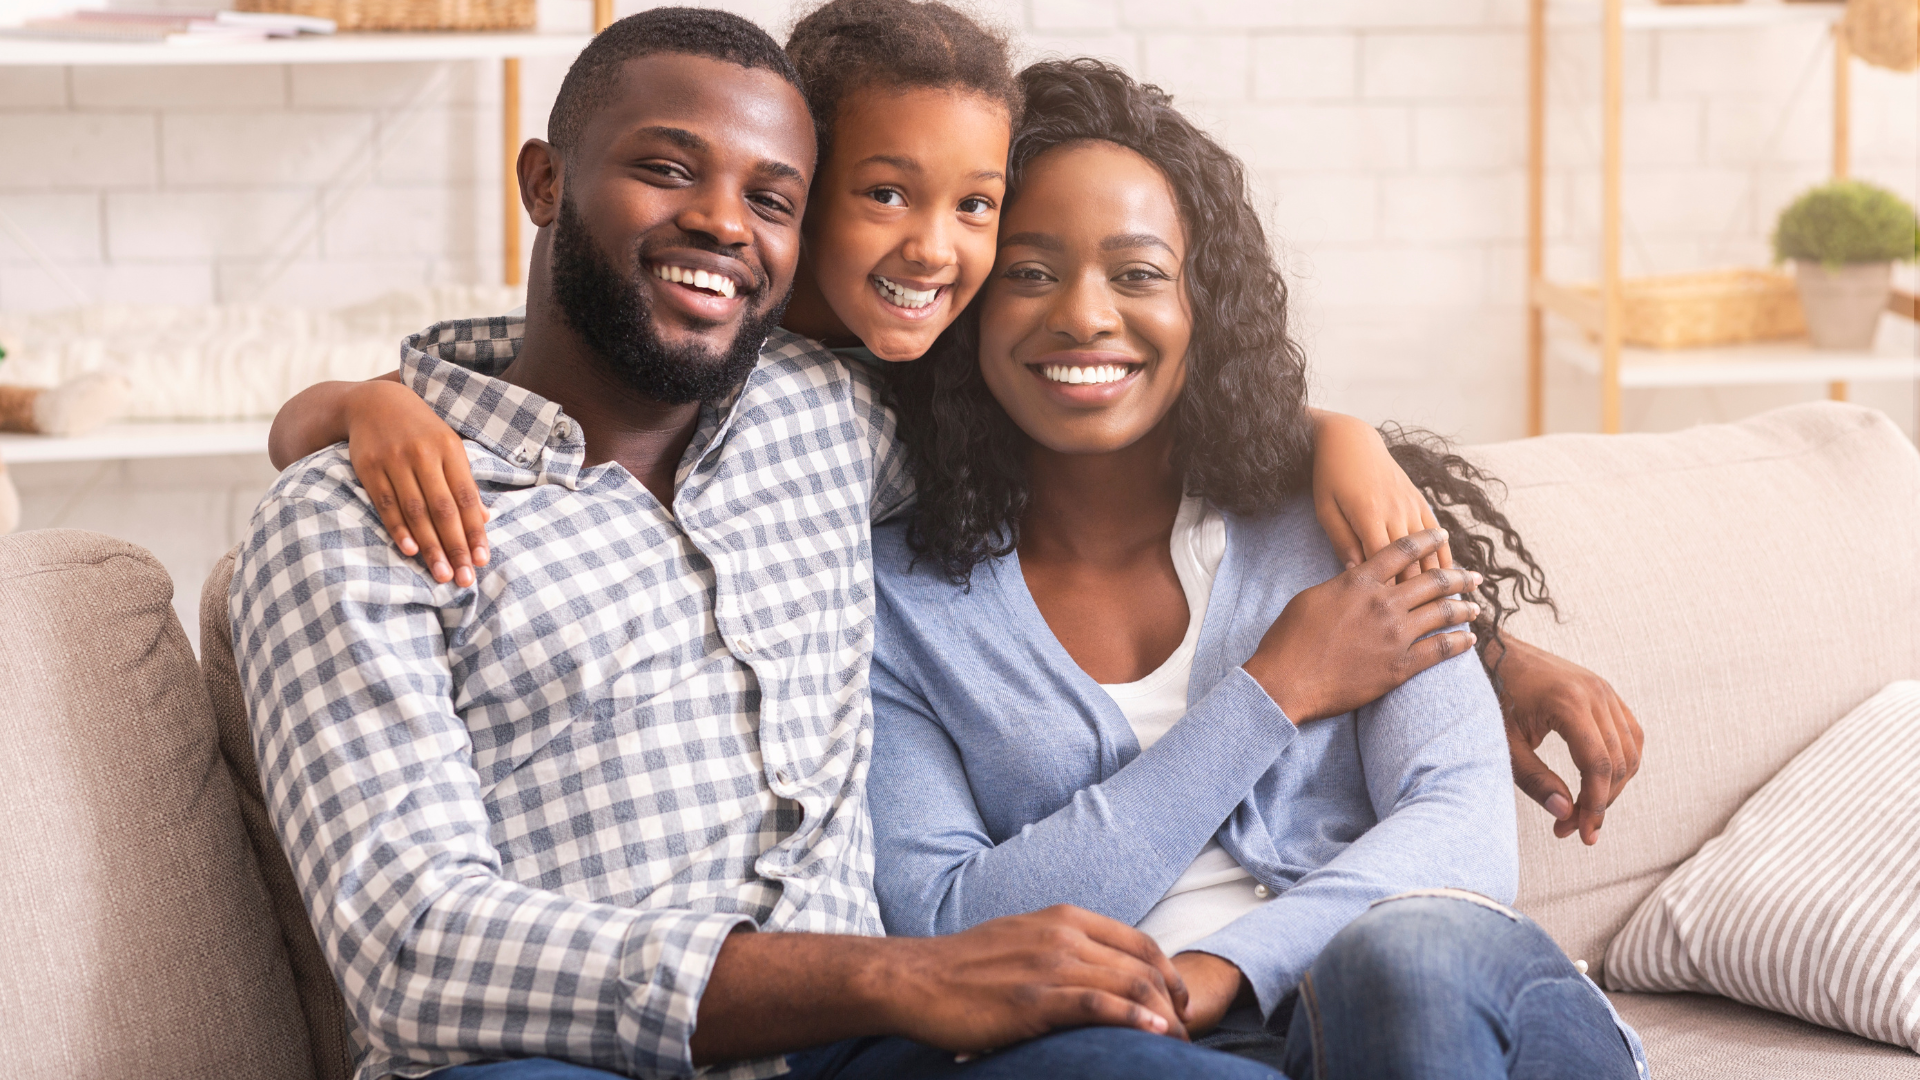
1388	140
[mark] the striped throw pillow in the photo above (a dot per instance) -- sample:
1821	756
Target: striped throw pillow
1809	902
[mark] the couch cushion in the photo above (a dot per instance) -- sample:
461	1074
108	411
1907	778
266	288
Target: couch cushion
1696	1037
137	939
1805	904
1743	586
326	1015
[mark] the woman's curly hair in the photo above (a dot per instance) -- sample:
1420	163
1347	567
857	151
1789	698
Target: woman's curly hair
1243	437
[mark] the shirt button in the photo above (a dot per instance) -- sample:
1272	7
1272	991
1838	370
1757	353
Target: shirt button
563	429
743	644
1262	891
521	456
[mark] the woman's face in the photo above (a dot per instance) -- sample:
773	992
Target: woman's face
1085	323
901	222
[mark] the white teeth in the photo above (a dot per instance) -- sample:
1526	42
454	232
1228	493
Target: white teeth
699	279
901	295
1085	376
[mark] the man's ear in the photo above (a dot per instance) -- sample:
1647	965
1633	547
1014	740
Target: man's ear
540	171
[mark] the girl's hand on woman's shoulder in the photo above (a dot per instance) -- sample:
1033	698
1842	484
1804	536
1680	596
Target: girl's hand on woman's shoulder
415	470
1362	497
1541	693
1347	642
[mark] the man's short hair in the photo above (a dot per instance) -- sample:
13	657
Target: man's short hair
595	75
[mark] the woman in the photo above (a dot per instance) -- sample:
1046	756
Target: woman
1120	665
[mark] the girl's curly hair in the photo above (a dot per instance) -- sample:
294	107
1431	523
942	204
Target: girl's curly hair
1243	437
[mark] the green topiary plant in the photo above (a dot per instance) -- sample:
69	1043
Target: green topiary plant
1847	221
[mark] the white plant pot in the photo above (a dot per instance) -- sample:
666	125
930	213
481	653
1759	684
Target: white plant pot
1843	303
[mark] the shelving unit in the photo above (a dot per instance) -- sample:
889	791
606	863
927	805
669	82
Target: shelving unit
197	440
1897	356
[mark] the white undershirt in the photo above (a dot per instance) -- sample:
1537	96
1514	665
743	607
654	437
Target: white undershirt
1214	890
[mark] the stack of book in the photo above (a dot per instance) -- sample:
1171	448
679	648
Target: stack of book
169	27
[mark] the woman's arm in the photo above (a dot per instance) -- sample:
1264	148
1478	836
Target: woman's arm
1436	773
1118	845
1364	500
412	464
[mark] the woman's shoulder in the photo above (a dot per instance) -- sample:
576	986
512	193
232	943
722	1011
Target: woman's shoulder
1287	536
904	573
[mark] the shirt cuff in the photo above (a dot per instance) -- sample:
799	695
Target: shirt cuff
663	976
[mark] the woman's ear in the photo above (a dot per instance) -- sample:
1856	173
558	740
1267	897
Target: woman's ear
540	170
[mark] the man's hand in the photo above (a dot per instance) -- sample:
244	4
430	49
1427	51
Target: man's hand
1541	692
1014	978
1213	985
996	984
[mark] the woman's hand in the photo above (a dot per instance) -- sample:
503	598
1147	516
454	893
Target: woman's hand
1348	641
1541	692
415	470
1362	498
1213	985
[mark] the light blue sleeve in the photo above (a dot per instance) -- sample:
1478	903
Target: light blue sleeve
1115	848
1437	772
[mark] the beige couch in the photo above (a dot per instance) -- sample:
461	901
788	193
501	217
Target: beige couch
1742	585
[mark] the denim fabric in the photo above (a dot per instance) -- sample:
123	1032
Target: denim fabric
1083	1054
1441	989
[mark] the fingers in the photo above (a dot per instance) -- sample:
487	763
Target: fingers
1442	613
413	510
1595	748
1065	1007
447	522
1541	783
473	512
387	504
1431	585
1394	558
1435	648
1445	555
1137	947
1346	543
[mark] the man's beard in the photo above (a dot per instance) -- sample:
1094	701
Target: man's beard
614	313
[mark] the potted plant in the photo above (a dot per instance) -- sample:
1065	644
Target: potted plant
1843	238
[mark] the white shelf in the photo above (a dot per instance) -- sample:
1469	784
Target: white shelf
1895	358
120	442
307	49
1643	16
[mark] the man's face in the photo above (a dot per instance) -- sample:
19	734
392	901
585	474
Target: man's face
677	228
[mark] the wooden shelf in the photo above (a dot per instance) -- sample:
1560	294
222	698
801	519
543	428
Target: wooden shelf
307	49
1894	358
120	442
1705	16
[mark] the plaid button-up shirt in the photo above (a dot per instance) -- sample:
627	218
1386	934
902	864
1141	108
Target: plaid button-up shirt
526	814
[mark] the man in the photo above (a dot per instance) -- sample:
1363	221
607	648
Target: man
541	817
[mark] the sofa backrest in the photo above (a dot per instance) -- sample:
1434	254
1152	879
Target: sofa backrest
136	939
325	1010
1743	586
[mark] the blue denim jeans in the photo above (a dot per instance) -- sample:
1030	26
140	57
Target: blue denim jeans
1441	988
1081	1054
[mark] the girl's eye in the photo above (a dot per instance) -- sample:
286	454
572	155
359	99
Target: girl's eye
976	205
887	197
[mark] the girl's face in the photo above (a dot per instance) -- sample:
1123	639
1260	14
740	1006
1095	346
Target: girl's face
900	225
1085	323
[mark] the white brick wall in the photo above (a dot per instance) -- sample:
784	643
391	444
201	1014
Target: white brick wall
1385	139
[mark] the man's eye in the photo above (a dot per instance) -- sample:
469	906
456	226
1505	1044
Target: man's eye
666	169
772	202
887	197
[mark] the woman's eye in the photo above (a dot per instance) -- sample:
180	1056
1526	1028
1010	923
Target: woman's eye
1027	274
887	197
976	205
1142	274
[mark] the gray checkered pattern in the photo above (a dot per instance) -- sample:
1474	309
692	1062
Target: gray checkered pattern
526	814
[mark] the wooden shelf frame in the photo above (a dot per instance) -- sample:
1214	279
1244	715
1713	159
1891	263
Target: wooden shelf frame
1616	366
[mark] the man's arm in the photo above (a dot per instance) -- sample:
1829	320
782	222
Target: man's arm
368	773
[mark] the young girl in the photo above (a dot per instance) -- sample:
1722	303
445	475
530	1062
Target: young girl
914	105
1118	665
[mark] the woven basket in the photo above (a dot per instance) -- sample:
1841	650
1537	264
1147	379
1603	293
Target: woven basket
407	14
1885	33
1717	307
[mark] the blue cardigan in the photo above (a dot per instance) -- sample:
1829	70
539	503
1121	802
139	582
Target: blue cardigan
1004	779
